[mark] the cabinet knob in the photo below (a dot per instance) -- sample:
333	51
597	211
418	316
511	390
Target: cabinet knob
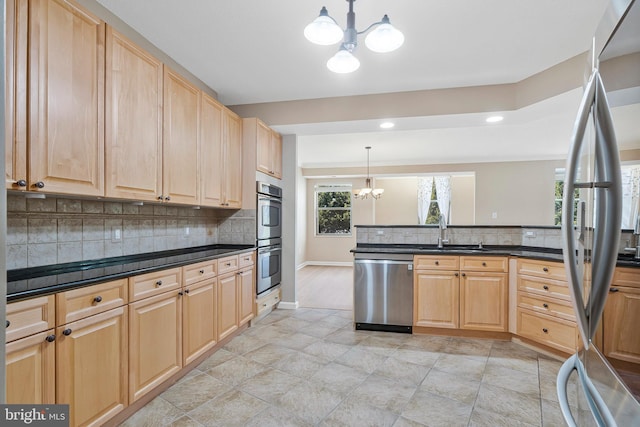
97	299
21	183
160	197
167	198
50	338
545	269
614	290
159	283
545	330
484	264
228	264
186	291
8	323
464	274
180	293
456	274
67	332
39	184
545	287
201	272
545	305
437	262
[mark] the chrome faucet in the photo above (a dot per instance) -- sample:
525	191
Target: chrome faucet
442	224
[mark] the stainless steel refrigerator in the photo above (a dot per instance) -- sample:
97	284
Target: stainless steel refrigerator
608	120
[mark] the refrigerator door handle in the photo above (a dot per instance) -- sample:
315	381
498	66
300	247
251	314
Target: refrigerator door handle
568	232
561	386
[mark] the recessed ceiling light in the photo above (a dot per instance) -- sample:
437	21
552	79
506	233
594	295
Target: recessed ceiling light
494	119
387	125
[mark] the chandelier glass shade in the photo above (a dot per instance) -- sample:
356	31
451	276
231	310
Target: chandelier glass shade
324	30
368	190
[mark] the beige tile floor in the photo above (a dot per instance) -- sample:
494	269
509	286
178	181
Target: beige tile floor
308	367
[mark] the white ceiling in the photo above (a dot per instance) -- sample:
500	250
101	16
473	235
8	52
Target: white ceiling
253	51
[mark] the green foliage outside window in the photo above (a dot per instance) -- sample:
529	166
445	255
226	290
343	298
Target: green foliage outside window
333	212
433	215
559	191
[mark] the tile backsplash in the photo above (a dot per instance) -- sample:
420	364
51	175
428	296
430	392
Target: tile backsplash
57	230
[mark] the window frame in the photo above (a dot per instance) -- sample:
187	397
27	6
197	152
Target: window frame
332	188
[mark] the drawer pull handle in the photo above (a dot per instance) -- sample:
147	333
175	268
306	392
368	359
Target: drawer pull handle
67	332
159	283
545	287
614	290
228	264
545	330
201	271
545	305
437	262
8	323
50	338
484	264
545	269
264	305
97	299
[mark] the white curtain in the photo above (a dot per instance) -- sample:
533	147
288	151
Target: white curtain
630	196
425	187
443	194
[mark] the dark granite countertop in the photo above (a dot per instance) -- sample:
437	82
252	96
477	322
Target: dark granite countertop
30	282
547	254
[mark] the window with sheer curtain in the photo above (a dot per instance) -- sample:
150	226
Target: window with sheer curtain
434	198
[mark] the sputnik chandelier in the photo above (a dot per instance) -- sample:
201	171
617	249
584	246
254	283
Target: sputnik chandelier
368	190
324	30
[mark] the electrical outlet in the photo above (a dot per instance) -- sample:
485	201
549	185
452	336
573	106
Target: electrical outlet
380	232
530	234
116	234
494	215
186	232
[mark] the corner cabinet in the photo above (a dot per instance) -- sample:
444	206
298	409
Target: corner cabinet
60	105
133	116
265	145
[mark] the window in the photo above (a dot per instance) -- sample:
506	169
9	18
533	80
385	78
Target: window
433	214
333	210
434	199
559	190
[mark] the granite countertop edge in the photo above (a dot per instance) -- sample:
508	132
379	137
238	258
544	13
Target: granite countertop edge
161	260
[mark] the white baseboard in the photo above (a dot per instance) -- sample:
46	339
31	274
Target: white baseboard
326	263
288	305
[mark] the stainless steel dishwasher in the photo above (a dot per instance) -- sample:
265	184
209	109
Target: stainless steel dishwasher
383	292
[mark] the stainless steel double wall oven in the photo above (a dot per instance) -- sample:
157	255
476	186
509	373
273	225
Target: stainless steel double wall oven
269	236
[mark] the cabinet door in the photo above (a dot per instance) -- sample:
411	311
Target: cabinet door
180	139
66	99
211	152
155	342
16	94
621	318
233	160
133	151
484	301
263	148
436	299
227	305
246	295
91	367
276	154
30	370
199	319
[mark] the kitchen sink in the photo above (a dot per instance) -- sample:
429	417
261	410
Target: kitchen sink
455	248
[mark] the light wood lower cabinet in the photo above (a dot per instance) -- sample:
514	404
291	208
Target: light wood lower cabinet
246	295
92	367
621	318
436	299
227	305
484	304
199	320
30	369
155	342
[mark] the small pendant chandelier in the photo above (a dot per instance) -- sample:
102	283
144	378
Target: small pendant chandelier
368	190
324	30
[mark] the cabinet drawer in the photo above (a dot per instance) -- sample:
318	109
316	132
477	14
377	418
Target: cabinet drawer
245	260
550	306
436	262
77	304
548	330
484	263
201	271
146	285
29	317
540	286
551	270
265	302
227	264
625	276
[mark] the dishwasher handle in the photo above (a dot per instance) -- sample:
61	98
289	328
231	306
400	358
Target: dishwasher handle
409	264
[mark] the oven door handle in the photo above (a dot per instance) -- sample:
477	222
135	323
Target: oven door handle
269	249
270	199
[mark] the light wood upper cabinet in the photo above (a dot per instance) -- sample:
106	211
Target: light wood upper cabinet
232	176
30	369
484	303
268	150
92	367
66	99
133	116
211	152
16	95
180	170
